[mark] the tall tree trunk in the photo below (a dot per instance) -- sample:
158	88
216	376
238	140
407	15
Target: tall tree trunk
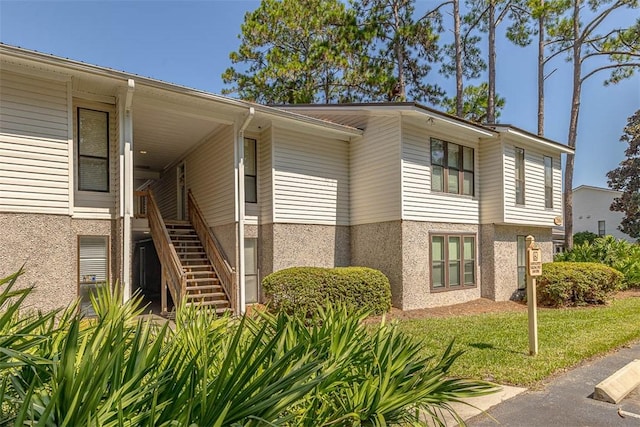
541	72
491	97
401	90
458	47
573	126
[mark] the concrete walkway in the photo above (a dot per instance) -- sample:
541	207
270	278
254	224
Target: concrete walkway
566	400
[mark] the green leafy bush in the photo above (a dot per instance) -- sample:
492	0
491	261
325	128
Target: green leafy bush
272	369
577	283
304	289
584	236
618	254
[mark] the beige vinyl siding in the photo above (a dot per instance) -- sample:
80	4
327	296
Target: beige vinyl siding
419	203
310	178
533	212
95	203
166	194
34	151
491	182
265	177
375	172
211	177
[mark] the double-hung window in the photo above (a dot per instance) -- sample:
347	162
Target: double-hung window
453	261
601	228
93	150
250	171
93	267
548	182
521	262
452	168
519	154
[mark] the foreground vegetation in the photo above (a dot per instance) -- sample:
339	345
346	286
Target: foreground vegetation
496	346
607	250
279	370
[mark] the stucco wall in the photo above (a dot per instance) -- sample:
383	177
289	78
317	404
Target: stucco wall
416	262
379	246
47	245
309	245
499	258
227	236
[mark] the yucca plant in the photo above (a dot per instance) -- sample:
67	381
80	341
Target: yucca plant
209	370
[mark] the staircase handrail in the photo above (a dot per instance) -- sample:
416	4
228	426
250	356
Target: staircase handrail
226	274
171	265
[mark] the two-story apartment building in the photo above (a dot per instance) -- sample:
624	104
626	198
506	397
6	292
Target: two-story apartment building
591	212
106	175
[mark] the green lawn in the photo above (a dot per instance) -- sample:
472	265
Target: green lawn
496	346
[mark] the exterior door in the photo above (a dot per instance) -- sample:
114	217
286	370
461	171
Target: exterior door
182	191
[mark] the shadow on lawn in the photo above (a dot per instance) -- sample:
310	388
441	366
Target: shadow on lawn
487	346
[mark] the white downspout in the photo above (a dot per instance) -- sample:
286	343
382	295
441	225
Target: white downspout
127	191
241	211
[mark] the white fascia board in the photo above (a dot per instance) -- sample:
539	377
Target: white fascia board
77	66
481	131
522	136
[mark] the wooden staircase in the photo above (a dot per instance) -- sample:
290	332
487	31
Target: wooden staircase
202	285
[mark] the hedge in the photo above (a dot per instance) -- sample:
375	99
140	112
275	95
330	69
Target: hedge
577	283
303	289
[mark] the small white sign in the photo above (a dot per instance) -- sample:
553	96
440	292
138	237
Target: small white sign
534	264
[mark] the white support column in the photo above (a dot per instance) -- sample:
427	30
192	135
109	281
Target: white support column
240	208
127	191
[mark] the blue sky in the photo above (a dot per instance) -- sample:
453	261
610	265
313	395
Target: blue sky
188	43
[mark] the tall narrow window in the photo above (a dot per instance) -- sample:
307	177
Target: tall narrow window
453	261
251	290
467	171
519	176
437	165
437	262
250	171
601	228
521	262
469	255
93	150
452	168
548	182
93	267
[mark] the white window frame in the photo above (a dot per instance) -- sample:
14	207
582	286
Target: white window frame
90	280
79	156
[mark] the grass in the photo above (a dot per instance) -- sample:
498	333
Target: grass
496	346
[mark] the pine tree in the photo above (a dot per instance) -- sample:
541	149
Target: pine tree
626	178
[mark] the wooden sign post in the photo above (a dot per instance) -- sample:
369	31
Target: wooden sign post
534	269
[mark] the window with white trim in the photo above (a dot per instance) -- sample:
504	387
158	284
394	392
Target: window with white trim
601	228
251	284
93	267
453	261
548	182
93	150
519	153
452	168
250	171
521	262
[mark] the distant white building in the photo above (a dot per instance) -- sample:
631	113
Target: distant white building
591	212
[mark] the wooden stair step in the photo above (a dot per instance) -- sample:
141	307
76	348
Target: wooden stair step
191	266
218	295
217	303
202	279
203	288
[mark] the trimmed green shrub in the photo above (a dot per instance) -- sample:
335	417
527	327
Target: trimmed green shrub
577	283
618	254
303	289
